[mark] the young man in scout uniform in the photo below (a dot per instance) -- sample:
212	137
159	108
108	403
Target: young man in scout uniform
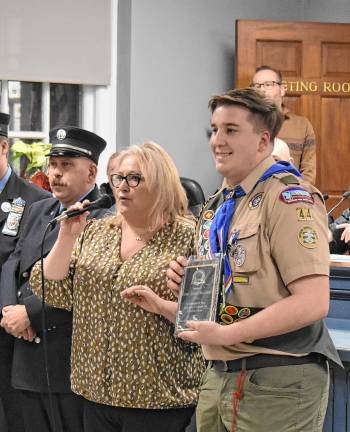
72	175
296	131
16	195
268	348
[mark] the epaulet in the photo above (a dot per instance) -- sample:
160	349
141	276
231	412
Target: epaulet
287	179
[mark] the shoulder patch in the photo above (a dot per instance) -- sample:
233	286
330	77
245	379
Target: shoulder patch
296	195
308	237
289	179
255	201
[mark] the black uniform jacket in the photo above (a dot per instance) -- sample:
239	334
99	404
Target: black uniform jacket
15	188
28	368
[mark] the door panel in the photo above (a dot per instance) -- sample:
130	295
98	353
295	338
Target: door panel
314	59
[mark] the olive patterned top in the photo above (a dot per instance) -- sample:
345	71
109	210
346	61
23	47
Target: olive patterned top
123	355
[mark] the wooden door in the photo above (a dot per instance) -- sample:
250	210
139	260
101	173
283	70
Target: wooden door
314	59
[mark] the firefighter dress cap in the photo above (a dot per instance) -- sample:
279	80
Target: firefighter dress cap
72	141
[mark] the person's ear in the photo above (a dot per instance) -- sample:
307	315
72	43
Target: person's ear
4	146
264	141
92	172
283	90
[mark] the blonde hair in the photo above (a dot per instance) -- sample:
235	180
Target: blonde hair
162	178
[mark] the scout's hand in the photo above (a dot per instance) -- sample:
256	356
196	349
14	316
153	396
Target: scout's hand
175	274
206	333
345	236
75	226
144	297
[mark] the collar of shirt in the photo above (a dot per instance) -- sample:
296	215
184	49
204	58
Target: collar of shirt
250	181
81	199
5	179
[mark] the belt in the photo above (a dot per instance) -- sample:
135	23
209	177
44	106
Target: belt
264	360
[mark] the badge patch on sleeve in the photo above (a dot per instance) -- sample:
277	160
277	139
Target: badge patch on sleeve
255	201
308	237
304	214
296	195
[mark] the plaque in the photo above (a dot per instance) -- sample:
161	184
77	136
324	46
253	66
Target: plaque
199	291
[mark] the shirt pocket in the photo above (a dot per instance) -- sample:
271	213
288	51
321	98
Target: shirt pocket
244	253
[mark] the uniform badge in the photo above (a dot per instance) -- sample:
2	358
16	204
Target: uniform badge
239	255
304	214
241	279
244	312
14	217
255	201
206	234
208	215
296	195
61	134
308	237
6	206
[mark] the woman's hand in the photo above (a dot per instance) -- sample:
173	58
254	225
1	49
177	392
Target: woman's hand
75	226
144	297
175	274
148	300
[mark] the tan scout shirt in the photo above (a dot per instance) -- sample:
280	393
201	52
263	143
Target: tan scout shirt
278	243
123	355
298	133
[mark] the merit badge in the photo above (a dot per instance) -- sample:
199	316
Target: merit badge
208	215
239	255
61	134
6	206
255	201
307	237
244	312
206	234
14	217
304	214
296	195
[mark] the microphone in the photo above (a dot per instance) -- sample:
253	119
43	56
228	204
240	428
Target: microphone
105	201
344	197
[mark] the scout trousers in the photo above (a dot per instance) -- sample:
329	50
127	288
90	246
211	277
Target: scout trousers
273	399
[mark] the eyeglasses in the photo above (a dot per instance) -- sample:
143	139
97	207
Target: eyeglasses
265	84
132	180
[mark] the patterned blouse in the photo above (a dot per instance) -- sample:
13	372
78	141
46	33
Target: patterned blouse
123	355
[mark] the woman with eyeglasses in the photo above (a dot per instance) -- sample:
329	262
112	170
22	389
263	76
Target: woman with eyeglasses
126	362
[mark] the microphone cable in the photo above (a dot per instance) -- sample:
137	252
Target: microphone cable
44	332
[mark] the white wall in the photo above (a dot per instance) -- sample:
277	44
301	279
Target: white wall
182	52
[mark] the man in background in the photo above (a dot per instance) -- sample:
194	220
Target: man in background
296	131
72	176
16	195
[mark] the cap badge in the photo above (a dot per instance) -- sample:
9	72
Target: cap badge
61	134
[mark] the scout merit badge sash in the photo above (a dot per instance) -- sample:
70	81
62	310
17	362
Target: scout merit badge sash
219	229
